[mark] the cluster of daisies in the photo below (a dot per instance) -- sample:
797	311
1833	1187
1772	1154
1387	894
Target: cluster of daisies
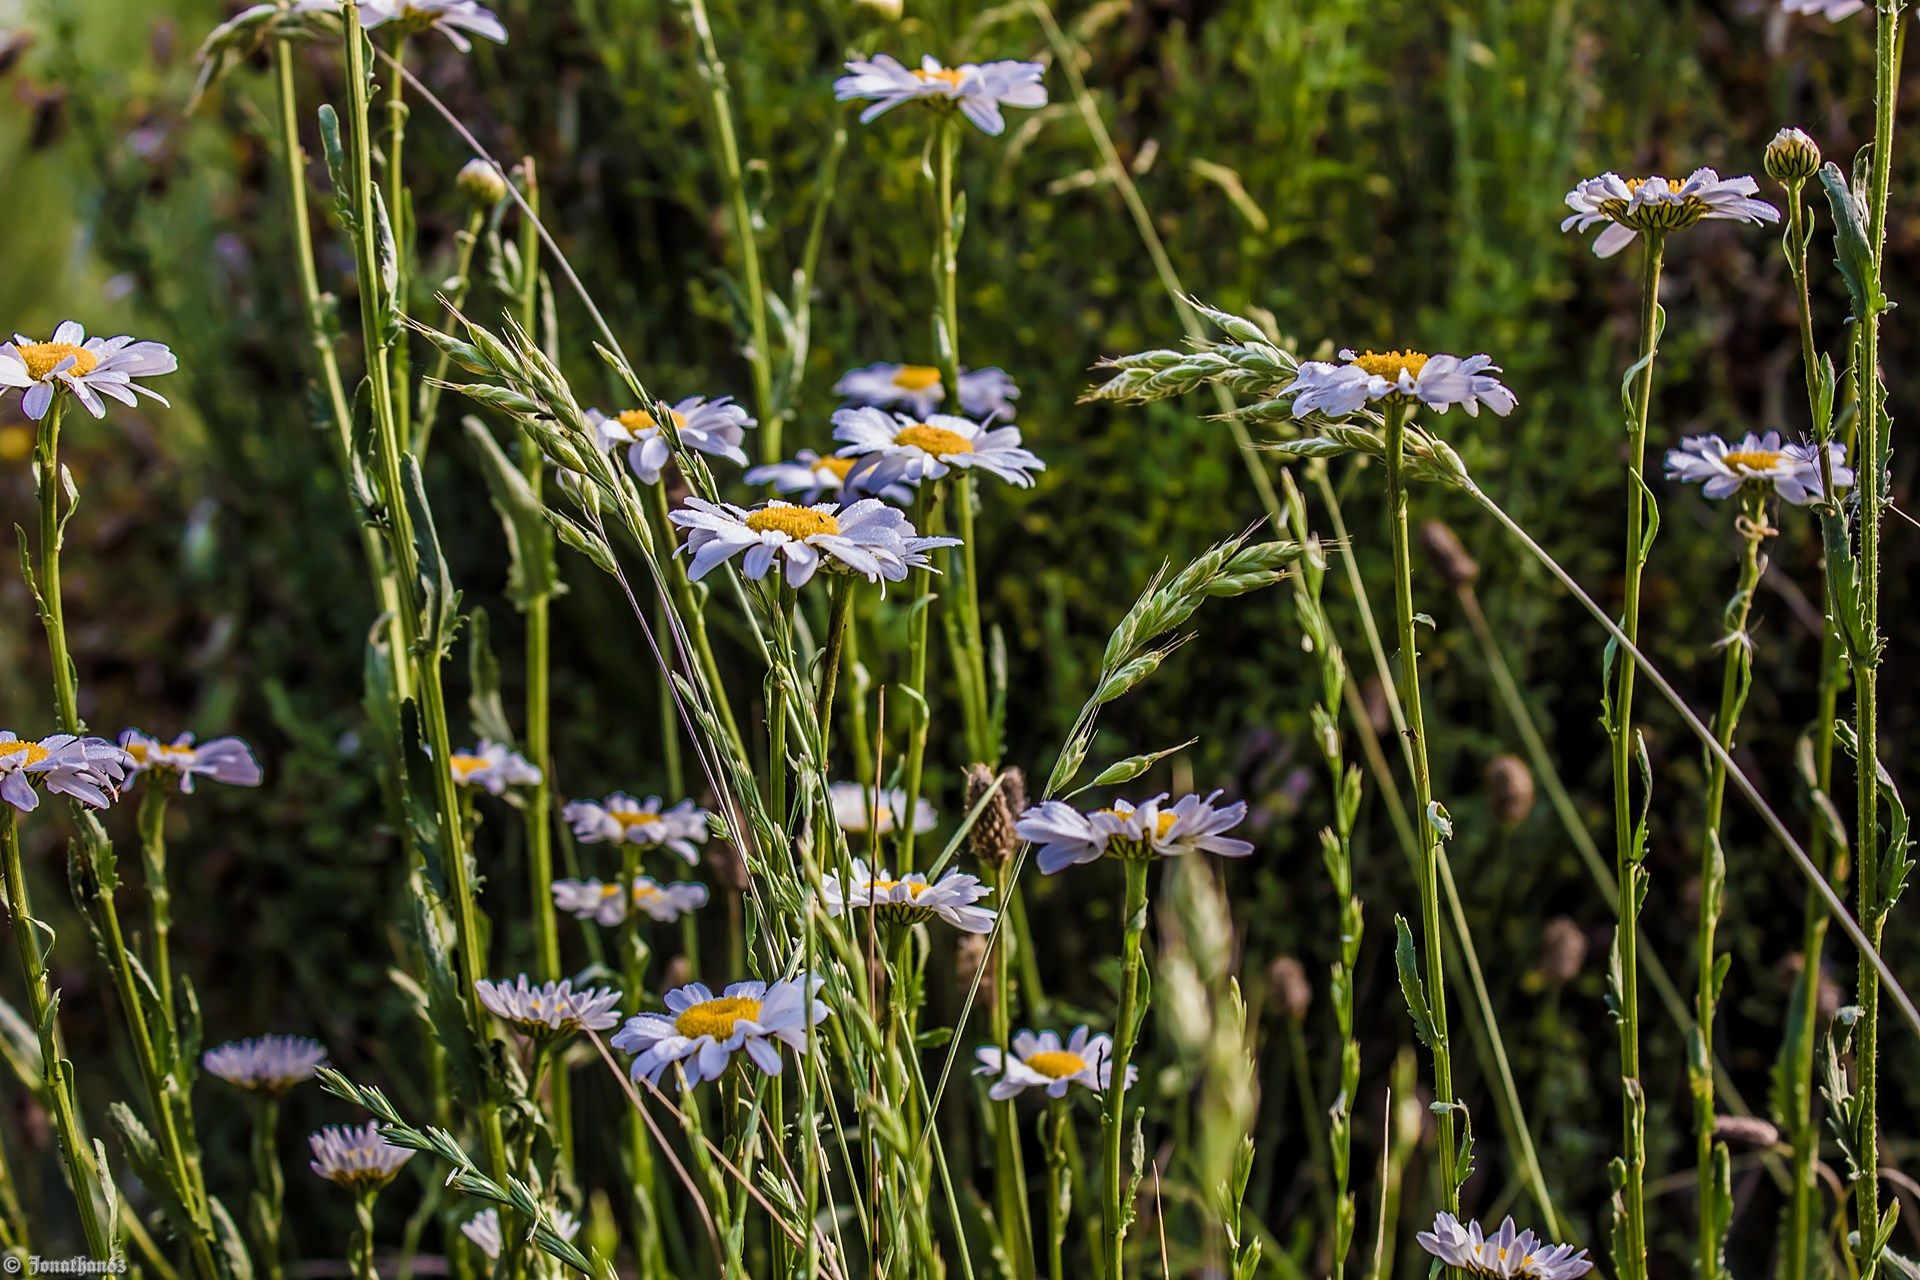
94	771
1507	1254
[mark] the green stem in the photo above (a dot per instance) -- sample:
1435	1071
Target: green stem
693	616
919	624
839	621
269	1187
1630	874
466	243
153	852
56	1073
1113	1120
362	1247
1711	1156
1010	1175
1059	1175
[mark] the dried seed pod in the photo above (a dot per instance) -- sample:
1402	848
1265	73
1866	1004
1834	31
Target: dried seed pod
1287	979
1563	951
1449	554
992	838
1509	790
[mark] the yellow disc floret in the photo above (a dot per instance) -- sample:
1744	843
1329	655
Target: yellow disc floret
30	753
42	358
1391	364
1754	459
916	377
938	441
1057	1064
638	421
798	523
950	76
716	1018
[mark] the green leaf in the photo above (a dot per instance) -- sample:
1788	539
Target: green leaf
1406	960
531	572
440	605
1854	256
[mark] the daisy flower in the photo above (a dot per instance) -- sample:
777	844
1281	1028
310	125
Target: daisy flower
551	1010
1723	469
813	477
978	89
911	899
602	903
179	762
356	1156
1067	836
711	426
454	19
984	393
483	1229
1438	381
620	819
493	768
702	1031
1506	1253
932	448
1831	10
89	770
1042	1062
853	811
1659	205
867	537
88	367
269	1065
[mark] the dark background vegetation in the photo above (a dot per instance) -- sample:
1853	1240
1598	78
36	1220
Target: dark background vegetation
1370	172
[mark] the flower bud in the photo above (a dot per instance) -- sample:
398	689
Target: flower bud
1291	990
1509	790
1449	554
1792	157
481	185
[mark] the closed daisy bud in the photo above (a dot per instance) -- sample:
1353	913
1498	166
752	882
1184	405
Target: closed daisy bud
481	185
1792	157
992	837
1509	790
1563	951
1449	554
1747	1131
1291	990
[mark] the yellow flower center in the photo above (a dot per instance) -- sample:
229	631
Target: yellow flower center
1391	364
798	523
1665	215
915	889
1754	459
946	75
463	765
916	377
1162	822
32	752
1673	184
716	1018
631	819
938	441
836	467
1057	1064
639	421
42	358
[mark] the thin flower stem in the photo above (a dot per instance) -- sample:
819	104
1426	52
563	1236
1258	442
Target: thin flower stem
1010	1175
1133	921
1059	1177
1629	872
1875	441
719	118
427	411
839	622
1710	1155
694	618
269	1188
152	822
56	1073
1424	818
639	1147
926	503
361	1258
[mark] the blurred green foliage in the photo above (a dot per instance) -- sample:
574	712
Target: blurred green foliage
1367	171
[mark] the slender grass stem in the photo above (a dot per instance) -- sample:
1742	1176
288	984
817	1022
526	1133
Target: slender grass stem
269	1188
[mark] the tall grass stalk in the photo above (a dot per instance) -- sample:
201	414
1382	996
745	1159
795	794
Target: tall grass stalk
1712	1160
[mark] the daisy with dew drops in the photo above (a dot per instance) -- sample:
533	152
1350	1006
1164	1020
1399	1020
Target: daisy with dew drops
710	426
483	1229
177	763
550	1010
605	905
356	1157
88	367
978	90
89	770
868	538
1438	382
1656	205
493	768
700	1032
266	1065
1792	470
1507	1254
985	394
909	899
1041	1061
933	448
621	819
